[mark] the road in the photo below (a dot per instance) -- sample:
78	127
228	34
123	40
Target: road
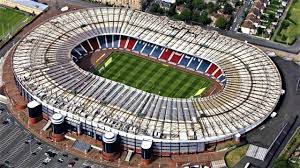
239	17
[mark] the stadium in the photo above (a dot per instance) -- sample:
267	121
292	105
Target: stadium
145	78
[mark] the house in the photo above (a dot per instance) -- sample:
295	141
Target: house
179	8
25	5
252	20
169	1
248	27
215	16
284	3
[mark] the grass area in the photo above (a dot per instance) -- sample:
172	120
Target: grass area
290	27
268	18
9	18
225	144
151	76
285	159
235	155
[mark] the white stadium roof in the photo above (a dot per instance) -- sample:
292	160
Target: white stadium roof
44	68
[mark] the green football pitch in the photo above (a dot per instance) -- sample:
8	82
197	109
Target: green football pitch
151	76
9	18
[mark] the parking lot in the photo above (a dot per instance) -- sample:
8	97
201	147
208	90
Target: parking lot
19	149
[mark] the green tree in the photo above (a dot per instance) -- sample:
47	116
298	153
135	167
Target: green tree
228	9
186	14
155	8
210	7
198	4
203	18
260	30
280	163
221	23
172	10
285	24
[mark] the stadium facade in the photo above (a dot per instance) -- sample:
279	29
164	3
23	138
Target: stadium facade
45	72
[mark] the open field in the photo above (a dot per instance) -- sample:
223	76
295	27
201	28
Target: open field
290	27
234	156
151	76
11	19
289	156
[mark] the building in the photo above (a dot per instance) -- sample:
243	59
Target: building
25	5
252	20
169	1
112	112
134	4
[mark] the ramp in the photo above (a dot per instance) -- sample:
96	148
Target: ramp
129	155
47	125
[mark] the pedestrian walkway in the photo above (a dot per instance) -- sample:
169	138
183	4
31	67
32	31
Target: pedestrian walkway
218	164
257	152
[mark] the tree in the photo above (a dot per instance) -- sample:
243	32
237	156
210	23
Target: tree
198	4
238	3
172	10
203	18
281	162
186	14
210	7
155	8
160	11
260	30
272	16
221	22
228	9
179	2
285	24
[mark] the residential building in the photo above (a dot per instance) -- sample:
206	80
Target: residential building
134	4
25	5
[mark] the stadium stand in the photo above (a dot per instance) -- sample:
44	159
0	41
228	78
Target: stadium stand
147	49
131	43
102	41
109	42
116	41
211	69
139	46
94	43
87	46
156	52
176	58
166	54
185	60
251	80
203	66
123	43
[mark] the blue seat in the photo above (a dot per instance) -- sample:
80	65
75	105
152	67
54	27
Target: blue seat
139	46
221	78
109	41
185	60
147	50
116	41
157	51
102	41
75	59
204	65
80	50
195	62
75	54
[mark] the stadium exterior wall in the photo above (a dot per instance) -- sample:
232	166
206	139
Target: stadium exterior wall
128	140
161	147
